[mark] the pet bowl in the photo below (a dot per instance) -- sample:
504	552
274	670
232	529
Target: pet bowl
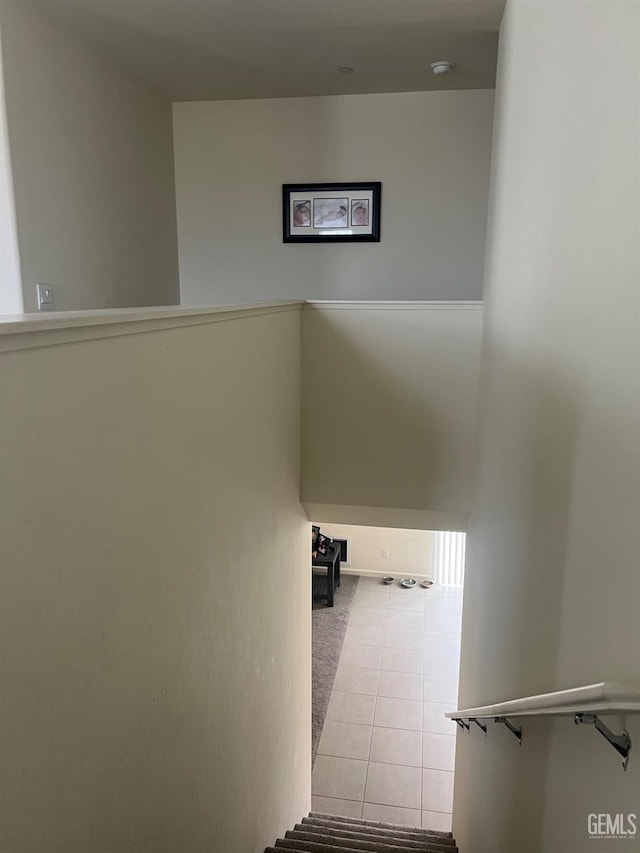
407	583
426	584
387	580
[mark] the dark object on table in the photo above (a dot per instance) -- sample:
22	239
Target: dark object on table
323	543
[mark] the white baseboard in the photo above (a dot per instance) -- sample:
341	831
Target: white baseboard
368	574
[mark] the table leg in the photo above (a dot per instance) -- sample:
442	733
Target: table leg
331	579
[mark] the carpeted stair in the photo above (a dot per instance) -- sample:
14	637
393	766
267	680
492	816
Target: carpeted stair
321	833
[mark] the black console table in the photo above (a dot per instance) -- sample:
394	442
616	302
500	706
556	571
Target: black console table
331	562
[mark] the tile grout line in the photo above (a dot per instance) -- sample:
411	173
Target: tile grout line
424	658
375	704
366	778
373	721
375	708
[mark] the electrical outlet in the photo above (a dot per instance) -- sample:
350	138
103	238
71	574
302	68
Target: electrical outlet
385	553
44	296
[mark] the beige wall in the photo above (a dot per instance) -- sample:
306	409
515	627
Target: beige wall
390	395
92	156
552	590
154	616
431	151
410	551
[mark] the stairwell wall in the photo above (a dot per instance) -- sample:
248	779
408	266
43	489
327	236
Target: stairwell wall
390	394
552	585
155	610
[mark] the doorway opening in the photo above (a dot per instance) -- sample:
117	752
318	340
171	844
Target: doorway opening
385	751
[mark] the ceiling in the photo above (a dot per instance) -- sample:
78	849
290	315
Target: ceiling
218	49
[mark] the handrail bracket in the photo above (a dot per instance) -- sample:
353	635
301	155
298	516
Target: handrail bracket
621	743
479	724
516	732
460	722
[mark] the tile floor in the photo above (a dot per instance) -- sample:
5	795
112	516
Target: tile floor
387	751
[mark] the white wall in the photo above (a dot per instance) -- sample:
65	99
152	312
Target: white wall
92	156
431	151
10	281
390	397
410	551
552	588
154	616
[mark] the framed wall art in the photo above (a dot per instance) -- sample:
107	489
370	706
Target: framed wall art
331	213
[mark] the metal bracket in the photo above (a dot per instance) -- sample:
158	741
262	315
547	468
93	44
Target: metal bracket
517	733
621	743
479	724
461	723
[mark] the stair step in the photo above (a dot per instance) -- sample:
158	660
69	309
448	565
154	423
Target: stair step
338	845
369	833
383	830
366	842
303	847
376	824
273	850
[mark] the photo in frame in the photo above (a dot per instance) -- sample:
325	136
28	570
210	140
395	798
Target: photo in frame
323	543
331	213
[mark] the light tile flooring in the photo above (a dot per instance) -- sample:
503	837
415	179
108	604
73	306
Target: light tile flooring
387	751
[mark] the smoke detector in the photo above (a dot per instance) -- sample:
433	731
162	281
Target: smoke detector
442	66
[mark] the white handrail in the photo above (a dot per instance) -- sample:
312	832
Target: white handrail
585	704
607	697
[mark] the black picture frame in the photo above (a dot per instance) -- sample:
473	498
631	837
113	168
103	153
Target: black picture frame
331	198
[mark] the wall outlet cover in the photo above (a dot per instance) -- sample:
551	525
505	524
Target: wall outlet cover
44	297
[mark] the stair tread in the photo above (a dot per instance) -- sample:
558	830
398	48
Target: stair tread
305	848
408	833
372	832
365	840
291	850
377	824
339	845
327	833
